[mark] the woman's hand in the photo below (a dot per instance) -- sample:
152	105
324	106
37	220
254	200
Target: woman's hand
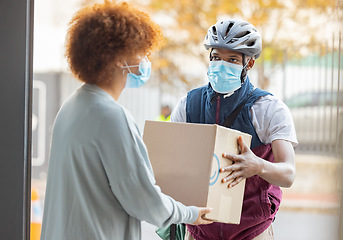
244	165
200	220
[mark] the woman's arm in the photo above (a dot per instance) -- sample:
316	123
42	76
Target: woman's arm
130	176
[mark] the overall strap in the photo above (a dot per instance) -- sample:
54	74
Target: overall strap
230	119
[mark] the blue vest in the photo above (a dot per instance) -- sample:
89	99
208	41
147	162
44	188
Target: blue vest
202	103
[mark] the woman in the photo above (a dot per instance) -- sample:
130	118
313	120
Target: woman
100	182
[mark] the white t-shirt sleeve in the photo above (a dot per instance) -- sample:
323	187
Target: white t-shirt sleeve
272	120
179	112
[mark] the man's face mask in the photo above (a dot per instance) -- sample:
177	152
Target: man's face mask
224	77
136	81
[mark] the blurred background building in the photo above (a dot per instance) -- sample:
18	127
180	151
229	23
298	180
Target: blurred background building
301	63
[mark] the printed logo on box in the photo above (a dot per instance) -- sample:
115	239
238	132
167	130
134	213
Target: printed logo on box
215	170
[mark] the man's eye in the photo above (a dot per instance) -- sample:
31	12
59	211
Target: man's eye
235	61
216	58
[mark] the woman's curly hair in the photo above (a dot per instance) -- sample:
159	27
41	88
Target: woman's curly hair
102	34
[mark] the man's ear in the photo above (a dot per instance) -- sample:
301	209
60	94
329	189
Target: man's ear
250	63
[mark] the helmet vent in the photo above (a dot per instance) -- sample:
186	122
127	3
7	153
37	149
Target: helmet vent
242	34
214	30
229	28
215	38
232	40
250	43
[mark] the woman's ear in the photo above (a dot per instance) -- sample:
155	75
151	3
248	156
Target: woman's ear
120	64
118	67
250	63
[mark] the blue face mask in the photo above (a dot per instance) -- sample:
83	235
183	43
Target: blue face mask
224	77
136	81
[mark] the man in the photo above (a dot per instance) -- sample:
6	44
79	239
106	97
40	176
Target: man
231	100
165	114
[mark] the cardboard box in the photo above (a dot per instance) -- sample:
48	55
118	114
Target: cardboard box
186	159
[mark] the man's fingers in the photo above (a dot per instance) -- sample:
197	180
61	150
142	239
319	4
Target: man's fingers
231	168
230	177
235	163
242	144
243	148
231	157
235	182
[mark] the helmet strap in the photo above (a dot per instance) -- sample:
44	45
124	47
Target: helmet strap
244	70
211	57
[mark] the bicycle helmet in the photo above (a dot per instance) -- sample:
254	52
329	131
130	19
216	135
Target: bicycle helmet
236	35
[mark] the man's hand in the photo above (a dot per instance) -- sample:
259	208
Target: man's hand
201	220
244	165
